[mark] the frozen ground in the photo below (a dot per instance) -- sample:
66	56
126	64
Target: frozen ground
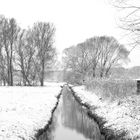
123	115
24	110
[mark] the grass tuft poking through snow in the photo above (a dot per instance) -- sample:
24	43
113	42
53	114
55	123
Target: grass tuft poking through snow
24	110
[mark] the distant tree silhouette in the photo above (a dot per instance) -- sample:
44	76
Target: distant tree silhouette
95	54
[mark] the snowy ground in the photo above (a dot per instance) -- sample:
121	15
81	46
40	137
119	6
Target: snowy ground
121	115
24	110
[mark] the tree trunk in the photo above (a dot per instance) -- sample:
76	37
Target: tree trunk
11	65
42	74
11	73
42	82
93	74
26	80
9	81
42	78
4	83
101	73
23	79
8	71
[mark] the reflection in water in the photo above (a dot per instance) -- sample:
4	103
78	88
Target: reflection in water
70	122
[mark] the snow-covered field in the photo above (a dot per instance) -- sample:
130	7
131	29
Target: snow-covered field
24	110
120	116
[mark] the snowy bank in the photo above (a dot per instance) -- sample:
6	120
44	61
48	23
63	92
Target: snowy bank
117	120
25	110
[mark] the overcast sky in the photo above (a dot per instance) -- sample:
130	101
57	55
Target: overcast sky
75	20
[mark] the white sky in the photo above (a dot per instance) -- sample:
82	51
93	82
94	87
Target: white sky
75	20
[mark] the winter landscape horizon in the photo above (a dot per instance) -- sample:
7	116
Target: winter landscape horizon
70	70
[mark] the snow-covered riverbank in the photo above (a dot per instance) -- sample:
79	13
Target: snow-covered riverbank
25	110
122	118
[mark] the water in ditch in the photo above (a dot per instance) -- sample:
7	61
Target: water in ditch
70	122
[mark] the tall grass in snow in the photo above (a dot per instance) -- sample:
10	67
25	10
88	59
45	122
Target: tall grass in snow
112	89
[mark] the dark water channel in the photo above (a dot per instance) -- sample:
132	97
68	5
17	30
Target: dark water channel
70	122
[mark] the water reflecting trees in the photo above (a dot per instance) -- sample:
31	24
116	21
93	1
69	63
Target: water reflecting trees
70	121
75	117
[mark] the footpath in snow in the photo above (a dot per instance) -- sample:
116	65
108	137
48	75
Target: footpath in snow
25	110
117	120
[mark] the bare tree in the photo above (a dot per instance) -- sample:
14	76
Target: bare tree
112	54
94	53
97	53
25	51
12	36
8	35
130	20
43	41
3	67
77	59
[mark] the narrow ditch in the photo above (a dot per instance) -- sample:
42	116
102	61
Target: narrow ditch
107	133
70	120
40	132
52	129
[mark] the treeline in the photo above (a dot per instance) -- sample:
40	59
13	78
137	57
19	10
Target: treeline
92	58
25	53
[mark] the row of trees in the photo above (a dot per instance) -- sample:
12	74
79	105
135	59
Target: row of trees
25	54
95	57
